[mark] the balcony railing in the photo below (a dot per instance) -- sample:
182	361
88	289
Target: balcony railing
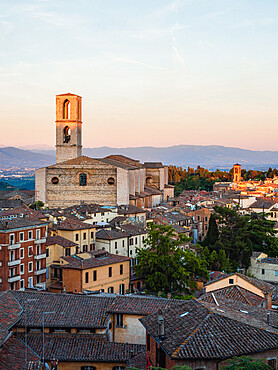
40	256
40	241
40	272
12	279
14	246
14	263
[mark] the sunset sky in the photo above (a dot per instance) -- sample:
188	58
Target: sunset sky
150	72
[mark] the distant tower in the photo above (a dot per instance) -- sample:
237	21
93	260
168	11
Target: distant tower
237	172
68	127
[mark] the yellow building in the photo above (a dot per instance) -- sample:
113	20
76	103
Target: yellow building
57	247
258	287
81	233
96	271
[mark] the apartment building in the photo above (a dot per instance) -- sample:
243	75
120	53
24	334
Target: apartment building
22	253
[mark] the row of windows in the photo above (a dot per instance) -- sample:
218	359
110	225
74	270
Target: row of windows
83	180
132	241
110	272
22	283
21	252
76	251
21	236
84	236
13	271
275	272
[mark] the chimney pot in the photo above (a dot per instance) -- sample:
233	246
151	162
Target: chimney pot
161	330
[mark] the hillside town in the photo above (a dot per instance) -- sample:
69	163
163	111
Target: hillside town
103	266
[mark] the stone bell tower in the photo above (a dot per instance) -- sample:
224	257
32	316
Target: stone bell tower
68	127
237	172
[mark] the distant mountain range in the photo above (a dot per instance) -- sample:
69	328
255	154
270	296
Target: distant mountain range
209	156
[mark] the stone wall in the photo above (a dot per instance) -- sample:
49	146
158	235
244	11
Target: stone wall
68	192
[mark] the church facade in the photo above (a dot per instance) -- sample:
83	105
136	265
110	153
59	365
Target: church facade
111	181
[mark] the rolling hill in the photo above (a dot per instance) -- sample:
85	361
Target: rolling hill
210	156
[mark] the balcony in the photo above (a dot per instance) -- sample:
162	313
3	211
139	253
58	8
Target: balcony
14	263
14	246
40	241
40	272
40	256
14	278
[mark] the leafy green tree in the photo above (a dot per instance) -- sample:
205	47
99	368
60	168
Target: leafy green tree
213	233
37	205
239	236
245	363
165	266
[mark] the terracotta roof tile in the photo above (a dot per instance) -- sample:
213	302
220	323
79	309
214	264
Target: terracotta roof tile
81	347
76	262
63	242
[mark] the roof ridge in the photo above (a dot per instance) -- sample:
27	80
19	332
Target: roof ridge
175	353
241	292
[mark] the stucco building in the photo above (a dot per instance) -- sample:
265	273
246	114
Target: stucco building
22	253
114	180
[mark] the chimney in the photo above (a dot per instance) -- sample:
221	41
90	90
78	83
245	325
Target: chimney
268	318
161	331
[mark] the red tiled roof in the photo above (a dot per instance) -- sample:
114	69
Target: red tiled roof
73	224
197	330
13	356
63	242
75	262
81	347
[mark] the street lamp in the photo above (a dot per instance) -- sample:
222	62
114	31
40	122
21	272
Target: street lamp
44	313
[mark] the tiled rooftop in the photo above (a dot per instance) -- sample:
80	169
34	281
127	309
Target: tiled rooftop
72	311
63	242
196	330
13	356
264	286
76	262
73	224
234	293
81	347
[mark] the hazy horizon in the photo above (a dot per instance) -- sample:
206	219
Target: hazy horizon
151	73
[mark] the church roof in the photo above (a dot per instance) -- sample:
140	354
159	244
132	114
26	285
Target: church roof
82	160
122	161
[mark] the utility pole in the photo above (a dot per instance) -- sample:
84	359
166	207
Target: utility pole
44	313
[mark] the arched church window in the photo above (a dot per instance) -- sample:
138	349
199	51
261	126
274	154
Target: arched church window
66	109
66	134
83	179
111	181
55	180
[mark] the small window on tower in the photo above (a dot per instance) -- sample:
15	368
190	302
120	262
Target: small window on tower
111	181
55	180
66	134
83	179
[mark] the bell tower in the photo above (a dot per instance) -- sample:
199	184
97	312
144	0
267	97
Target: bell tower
237	172
68	127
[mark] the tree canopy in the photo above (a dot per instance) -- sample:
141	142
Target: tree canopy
245	363
236	237
166	267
